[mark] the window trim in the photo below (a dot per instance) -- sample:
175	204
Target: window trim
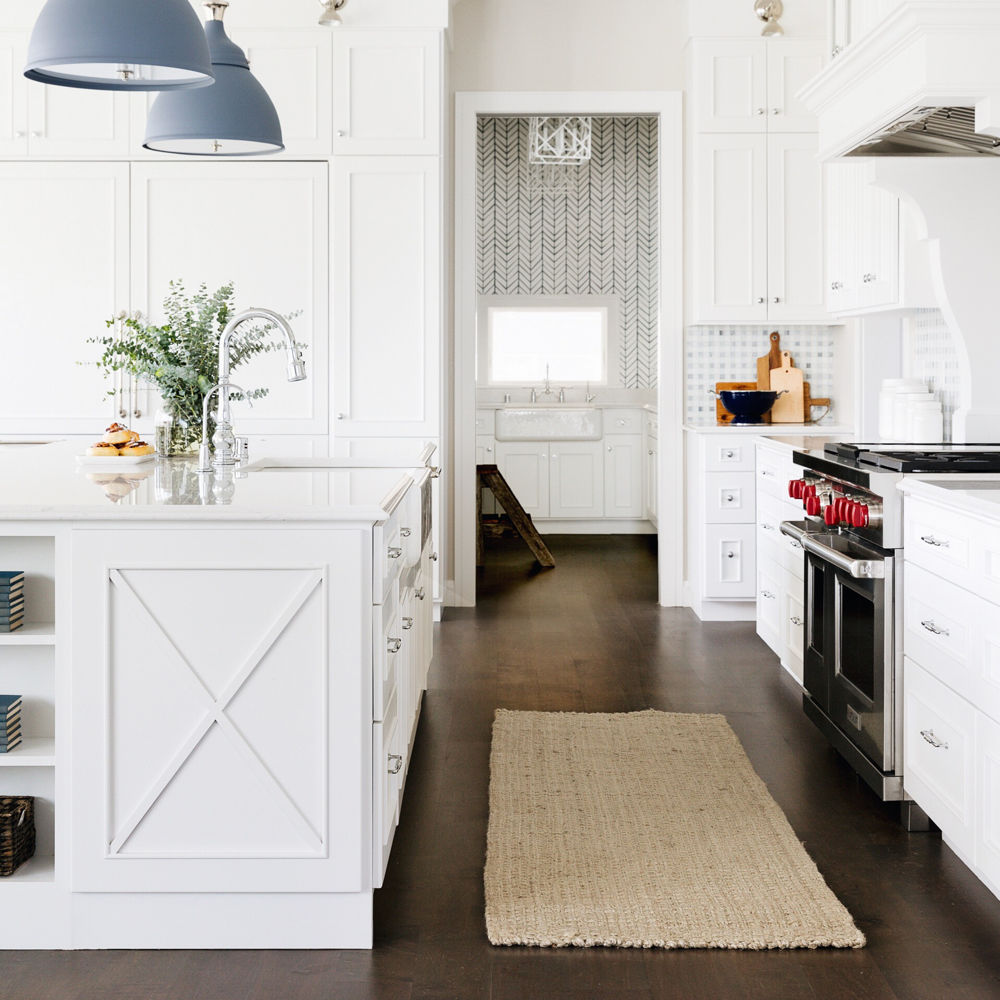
612	339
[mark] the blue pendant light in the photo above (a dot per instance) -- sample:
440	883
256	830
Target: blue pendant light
119	45
235	117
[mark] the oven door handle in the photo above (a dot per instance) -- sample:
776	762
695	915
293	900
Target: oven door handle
860	569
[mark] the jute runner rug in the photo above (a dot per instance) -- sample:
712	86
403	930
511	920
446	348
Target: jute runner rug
644	830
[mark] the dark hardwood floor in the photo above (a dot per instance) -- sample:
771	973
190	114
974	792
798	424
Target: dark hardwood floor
588	636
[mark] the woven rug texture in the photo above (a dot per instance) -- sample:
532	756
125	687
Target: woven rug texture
644	830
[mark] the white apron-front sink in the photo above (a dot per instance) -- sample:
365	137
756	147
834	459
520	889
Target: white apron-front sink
549	423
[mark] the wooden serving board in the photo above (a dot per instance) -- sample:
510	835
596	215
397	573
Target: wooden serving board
789	408
722	415
809	401
769	361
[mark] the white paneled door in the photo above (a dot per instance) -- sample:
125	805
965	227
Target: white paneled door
525	466
63	273
262	226
576	479
386	296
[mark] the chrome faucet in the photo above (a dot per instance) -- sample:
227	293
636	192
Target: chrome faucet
547	391
224	440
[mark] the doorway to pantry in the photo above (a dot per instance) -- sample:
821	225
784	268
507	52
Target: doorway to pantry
568	316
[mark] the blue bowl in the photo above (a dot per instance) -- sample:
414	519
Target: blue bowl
747	406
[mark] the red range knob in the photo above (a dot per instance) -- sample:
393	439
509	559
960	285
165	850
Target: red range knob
795	488
830	516
839	504
808	490
812	505
859	515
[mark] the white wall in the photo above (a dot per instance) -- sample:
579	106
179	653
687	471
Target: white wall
558	45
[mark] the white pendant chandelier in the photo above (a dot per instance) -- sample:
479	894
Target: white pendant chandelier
559	151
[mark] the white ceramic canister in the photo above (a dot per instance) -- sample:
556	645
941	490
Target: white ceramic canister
925	422
891	387
901	412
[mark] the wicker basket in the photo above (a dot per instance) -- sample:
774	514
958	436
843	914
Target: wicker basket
17	831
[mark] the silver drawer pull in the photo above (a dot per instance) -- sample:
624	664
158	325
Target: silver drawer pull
936	542
729	454
393	645
405	532
766	527
767	595
767	473
729	498
795	620
929	737
395	763
394	552
433	557
934	629
419	594
795	544
407	623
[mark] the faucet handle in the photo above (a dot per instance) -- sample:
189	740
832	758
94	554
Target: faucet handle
242	449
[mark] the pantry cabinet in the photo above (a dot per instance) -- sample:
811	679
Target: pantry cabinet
750	84
387	96
758	219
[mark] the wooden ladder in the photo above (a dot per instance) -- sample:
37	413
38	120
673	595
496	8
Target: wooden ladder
491	476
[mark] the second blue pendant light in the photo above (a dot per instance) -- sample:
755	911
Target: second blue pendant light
233	117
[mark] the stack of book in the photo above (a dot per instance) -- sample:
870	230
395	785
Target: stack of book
11	600
10	721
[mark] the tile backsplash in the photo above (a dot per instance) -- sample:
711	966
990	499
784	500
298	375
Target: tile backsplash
729	354
932	355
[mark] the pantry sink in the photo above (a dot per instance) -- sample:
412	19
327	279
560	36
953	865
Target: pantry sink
548	423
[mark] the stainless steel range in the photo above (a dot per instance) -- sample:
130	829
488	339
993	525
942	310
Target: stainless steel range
852	537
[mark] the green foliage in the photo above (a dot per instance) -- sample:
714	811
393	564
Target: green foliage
181	358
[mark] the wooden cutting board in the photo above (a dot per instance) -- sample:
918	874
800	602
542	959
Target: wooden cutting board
809	401
722	415
769	361
789	408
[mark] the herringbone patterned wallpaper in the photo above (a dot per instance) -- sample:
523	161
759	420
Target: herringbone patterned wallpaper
598	238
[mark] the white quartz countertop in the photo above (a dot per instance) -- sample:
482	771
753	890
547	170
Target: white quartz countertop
45	482
972	493
769	430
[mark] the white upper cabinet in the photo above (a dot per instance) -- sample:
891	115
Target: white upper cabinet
62	222
749	85
262	226
387	92
56	122
386	295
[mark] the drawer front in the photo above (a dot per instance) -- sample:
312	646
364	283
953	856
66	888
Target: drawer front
770	513
940	541
769	601
623	421
387	763
387	642
721	453
730	561
793	622
388	557
774	469
729	498
954	635
939	754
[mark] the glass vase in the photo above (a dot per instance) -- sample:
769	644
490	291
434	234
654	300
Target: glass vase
178	433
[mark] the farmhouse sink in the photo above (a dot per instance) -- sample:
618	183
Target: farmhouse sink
548	423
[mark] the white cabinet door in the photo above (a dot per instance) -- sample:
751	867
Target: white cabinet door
730	260
386	295
201	753
525	466
262	226
987	841
795	230
13	95
791	64
843	221
576	479
769	604
793	616
879	253
295	67
623	465
69	122
729	85
650	479
62	223
729	570
387	92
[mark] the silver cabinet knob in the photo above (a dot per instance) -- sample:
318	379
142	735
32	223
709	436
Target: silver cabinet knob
761	112
20	134
776	300
761	300
341	133
836	286
775	111
434	557
489	449
407	623
621	422
394	552
36	135
651	452
340	416
729	498
405	532
730	555
393	645
729	454
610	448
395	763
419	594
767	595
795	620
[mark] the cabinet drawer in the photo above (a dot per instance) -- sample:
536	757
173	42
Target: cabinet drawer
387	642
623	421
724	453
387	558
938	754
729	561
793	622
957	546
769	602
770	513
729	497
387	763
954	635
774	469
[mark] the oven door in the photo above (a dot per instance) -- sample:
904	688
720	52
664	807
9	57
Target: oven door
849	666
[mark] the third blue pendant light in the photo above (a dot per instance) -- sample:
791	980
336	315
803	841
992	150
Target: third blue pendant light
119	45
233	117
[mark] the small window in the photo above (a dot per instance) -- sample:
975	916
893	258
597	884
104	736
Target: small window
564	340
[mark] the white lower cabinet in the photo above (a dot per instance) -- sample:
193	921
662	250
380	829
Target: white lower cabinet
651	471
576	479
987	838
729	560
525	466
623	493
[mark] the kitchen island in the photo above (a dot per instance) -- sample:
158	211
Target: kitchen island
222	676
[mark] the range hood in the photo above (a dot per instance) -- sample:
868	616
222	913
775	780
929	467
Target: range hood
929	131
